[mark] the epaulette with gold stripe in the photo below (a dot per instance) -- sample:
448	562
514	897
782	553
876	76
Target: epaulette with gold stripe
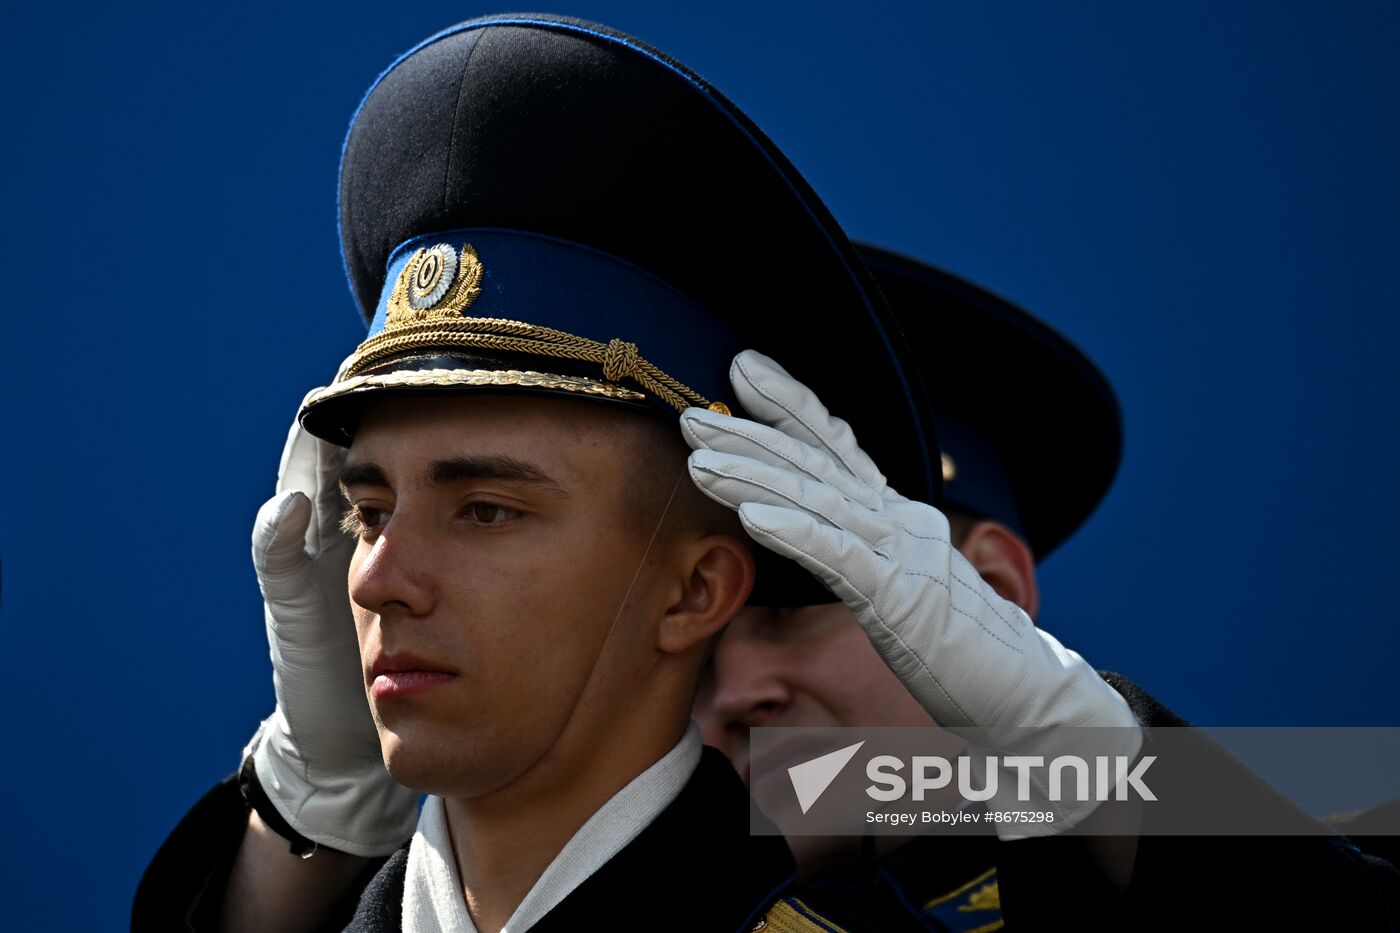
973	907
791	915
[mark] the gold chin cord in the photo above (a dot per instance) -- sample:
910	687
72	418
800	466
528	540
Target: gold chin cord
607	637
645	554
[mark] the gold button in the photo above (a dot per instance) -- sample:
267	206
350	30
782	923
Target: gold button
723	409
950	469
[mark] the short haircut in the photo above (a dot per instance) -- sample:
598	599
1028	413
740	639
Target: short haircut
658	480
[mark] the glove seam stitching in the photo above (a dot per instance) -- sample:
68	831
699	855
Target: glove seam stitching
761	390
963	612
796	504
985	601
730	429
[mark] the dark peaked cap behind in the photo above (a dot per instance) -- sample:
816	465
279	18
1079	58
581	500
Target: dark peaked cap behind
571	130
1029	426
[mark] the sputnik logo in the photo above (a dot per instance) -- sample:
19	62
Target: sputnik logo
811	778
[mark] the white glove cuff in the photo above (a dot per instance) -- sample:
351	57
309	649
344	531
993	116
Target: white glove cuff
972	658
362	811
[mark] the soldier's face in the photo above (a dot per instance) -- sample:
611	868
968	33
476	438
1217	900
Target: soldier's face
808	666
488	585
812	666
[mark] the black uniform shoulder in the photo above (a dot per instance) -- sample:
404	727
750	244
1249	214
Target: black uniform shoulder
696	867
380	909
183	888
184	883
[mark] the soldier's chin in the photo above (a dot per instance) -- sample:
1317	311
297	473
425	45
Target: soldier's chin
446	765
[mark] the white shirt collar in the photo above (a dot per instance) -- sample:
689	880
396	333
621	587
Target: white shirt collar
433	901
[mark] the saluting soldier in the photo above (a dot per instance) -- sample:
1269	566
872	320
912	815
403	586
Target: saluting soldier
1030	437
560	239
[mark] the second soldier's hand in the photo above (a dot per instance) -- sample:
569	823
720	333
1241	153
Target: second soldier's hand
804	489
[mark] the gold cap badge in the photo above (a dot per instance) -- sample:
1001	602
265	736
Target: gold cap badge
437	282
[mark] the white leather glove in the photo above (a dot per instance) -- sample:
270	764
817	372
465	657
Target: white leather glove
804	489
318	757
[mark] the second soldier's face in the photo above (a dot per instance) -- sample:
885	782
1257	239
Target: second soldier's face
808	666
488	585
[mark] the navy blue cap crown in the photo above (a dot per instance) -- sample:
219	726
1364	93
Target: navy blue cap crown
631	229
569	130
1029	429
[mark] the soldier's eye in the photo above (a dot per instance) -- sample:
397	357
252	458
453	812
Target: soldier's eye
489	513
360	520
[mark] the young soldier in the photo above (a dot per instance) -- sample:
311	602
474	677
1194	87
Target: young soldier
541	223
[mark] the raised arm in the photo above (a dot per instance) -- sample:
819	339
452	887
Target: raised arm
316	806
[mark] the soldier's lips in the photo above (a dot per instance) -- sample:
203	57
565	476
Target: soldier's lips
397	684
402	674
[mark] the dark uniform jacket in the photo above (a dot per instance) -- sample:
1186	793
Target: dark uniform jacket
694	868
970	884
698	868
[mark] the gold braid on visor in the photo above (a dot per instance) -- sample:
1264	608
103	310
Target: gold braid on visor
619	359
425	316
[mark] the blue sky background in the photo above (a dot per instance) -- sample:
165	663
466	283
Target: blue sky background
1203	196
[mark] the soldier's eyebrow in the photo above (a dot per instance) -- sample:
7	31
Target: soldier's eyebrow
362	474
458	470
461	469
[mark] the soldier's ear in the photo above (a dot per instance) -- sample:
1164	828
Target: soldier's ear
717	576
1004	561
